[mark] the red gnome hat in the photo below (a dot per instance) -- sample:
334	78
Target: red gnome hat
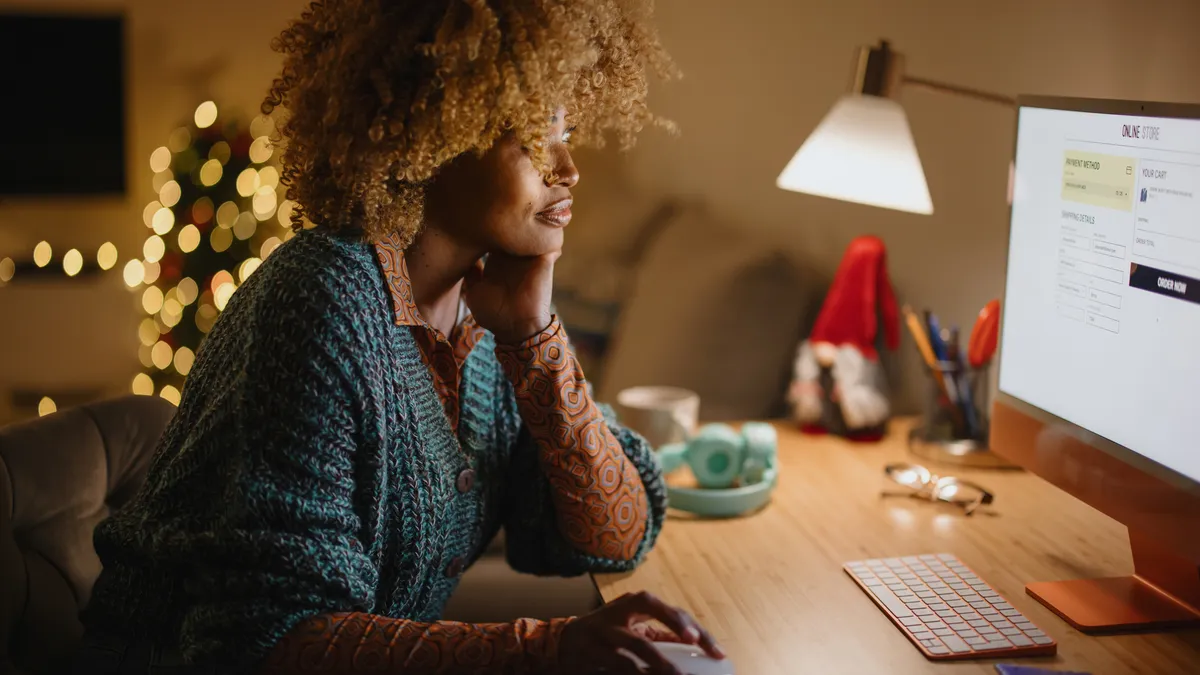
861	285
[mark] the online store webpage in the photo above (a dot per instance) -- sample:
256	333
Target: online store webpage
1102	316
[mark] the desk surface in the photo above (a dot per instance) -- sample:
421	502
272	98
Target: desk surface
771	588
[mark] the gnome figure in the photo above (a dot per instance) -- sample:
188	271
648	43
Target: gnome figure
838	384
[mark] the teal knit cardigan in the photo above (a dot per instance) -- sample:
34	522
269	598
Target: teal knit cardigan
310	468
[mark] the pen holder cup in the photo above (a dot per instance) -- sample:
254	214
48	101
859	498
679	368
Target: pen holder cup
953	428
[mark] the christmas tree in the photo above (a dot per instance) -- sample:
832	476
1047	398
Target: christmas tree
218	214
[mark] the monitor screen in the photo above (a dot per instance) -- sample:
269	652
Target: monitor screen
1102	315
63	116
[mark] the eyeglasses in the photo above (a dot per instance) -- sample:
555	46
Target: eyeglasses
924	484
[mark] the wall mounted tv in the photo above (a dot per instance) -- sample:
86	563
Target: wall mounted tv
62	120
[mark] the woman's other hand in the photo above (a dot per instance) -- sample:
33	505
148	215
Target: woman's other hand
592	643
510	295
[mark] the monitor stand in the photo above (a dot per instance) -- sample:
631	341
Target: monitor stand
1164	592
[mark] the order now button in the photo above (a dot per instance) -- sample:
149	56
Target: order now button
1165	283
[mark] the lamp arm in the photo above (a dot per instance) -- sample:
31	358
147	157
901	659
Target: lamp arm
978	94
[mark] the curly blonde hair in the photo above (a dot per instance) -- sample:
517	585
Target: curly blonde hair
378	94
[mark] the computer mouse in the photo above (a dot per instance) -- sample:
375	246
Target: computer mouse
690	660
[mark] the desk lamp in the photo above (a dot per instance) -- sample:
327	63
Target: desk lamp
863	151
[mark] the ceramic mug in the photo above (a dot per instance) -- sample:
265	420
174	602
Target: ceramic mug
662	415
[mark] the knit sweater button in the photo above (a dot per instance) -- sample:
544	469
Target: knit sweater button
466	480
455	567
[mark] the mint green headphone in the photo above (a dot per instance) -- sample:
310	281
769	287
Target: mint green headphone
720	457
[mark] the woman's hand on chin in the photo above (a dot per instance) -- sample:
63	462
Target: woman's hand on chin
510	295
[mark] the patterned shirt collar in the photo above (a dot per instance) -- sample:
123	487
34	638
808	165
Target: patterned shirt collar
395	275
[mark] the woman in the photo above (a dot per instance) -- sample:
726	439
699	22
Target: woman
376	402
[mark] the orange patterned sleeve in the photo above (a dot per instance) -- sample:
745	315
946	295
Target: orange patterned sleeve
356	642
599	500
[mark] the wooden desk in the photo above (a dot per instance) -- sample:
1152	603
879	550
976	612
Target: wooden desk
771	588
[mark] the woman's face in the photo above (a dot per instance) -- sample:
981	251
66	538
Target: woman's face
501	202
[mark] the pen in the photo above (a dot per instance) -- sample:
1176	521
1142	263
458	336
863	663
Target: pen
964	386
921	338
940	351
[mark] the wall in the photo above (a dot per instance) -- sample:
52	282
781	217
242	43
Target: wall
760	74
179	54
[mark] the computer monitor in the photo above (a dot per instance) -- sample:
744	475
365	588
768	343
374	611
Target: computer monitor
1099	371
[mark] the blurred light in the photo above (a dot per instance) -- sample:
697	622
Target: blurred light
210	173
169	319
260	150
7	269
46	406
171	394
268	175
143	385
160	179
219	279
269	247
206	315
154	248
247	268
220	152
180	139
42	254
262	125
163	328
161	355
227	213
188	290
149	212
160	159
189	238
134	271
164	220
222	294
206	114
169	194
285	213
106	255
245	226
152	270
152	300
247	182
145	357
220	239
264	202
148	332
184	358
202	210
172	306
72	262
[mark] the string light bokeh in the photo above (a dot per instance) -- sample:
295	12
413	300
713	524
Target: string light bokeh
219	211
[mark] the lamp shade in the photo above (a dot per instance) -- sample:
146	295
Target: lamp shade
861	152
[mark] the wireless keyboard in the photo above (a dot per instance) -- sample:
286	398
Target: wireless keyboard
947	610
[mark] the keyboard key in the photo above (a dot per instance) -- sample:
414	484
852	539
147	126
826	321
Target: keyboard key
988	632
948	614
1020	640
956	623
946	631
1043	640
982	607
970	616
975	641
939	650
1003	624
914	605
977	624
956	645
1035	633
991	614
910	559
923	635
896	587
1010	612
926	596
936	623
921	611
1001	605
1010	631
932	619
957	604
911	621
995	644
966	631
893	603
